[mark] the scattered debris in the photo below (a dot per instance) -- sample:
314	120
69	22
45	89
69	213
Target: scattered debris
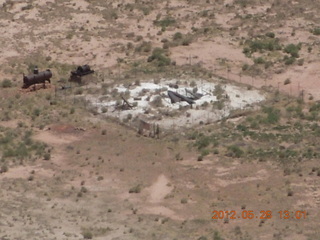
124	106
195	101
152	130
176	97
194	96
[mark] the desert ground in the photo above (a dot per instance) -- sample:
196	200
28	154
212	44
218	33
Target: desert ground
112	157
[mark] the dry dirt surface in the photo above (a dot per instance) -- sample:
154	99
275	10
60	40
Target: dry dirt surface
121	186
211	34
94	177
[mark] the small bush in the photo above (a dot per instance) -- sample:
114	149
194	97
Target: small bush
84	189
293	50
87	234
270	35
235	151
184	200
164	22
47	156
259	60
72	110
216	236
79	91
28	7
3	169
157	102
6	83
144	47
202	238
159	57
316	31
177	36
300	62
186	41
287	81
273	115
289	61
245	67
136	189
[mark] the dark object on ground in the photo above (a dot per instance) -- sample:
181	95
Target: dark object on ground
194	96
124	106
82	70
176	97
64	87
36	77
76	76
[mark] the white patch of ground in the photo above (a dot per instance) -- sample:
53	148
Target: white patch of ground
162	211
151	103
261	175
24	172
159	189
50	138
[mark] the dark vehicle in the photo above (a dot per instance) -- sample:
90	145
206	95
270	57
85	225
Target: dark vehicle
76	76
36	77
82	70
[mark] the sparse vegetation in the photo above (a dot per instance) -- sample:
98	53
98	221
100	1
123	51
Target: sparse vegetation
158	57
6	83
92	161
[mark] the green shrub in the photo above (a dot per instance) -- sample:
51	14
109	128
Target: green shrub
47	156
202	238
268	44
87	234
273	115
144	47
159	57
259	60
28	7
235	151
300	62
202	142
289	60
6	83
216	236
36	112
287	81
246	51
177	36
186	41
3	169
184	200
164	22
79	91
270	35
245	67
136	189
293	50
316	31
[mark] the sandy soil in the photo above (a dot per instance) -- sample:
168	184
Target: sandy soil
85	187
